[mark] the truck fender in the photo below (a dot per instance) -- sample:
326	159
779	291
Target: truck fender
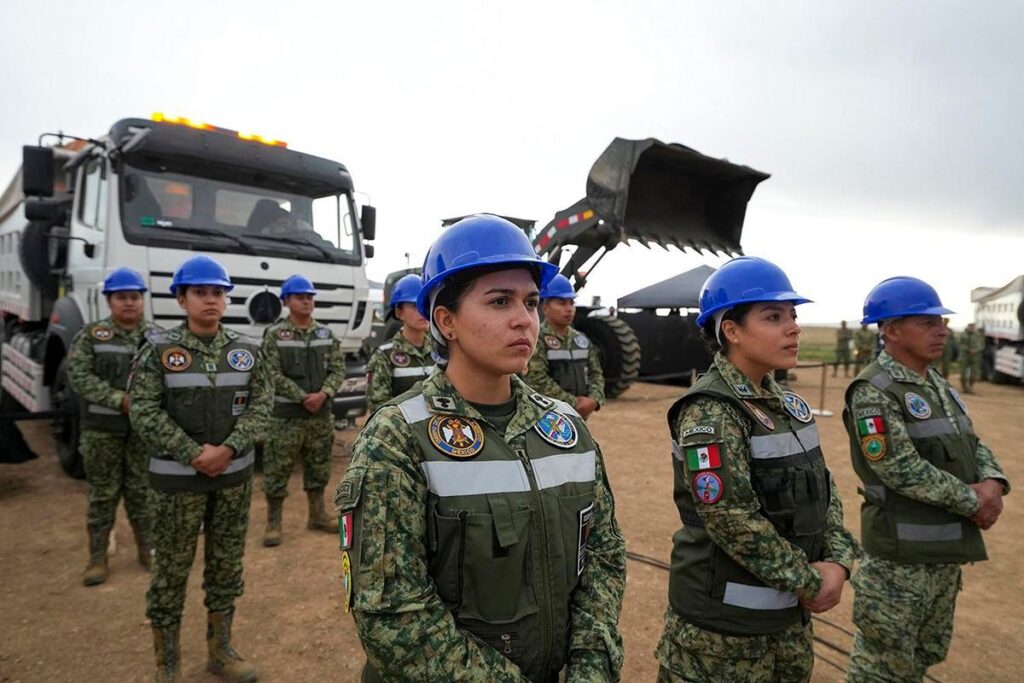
65	321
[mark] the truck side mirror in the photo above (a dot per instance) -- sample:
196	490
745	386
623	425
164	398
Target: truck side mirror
37	171
368	250
369	221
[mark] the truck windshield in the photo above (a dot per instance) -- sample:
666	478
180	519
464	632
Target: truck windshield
163	208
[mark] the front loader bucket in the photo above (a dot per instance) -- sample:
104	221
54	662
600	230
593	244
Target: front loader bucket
670	194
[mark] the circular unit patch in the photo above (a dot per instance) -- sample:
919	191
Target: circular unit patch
917	406
102	333
457	437
399	359
322	333
582	341
707	487
796	406
552	342
873	447
176	359
761	416
557	429
241	360
285	334
959	401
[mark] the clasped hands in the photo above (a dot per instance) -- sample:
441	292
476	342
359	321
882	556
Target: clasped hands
990	503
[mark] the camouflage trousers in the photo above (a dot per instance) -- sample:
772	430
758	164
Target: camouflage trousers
904	619
116	467
970	371
223	517
691	654
842	358
309	438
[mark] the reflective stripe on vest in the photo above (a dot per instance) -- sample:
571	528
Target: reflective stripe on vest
221	379
97	409
294	344
785	444
451	478
566	354
175	468
936	427
929	533
414	409
758	597
422	371
114	348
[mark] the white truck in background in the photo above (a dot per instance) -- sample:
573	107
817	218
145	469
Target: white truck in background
999	314
148	195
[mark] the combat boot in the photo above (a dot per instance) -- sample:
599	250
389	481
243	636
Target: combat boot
224	661
272	536
96	571
167	647
318	519
145	553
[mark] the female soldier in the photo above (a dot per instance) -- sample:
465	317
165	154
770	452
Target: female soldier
763	542
478	531
405	359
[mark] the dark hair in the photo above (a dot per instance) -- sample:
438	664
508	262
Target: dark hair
737	314
458	285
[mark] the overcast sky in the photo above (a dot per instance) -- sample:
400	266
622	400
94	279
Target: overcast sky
893	131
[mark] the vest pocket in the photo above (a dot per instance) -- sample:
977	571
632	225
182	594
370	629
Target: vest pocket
446	540
496	585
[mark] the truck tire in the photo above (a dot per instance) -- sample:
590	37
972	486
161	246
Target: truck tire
67	429
34	256
620	351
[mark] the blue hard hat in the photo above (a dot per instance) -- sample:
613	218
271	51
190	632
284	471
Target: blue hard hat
558	288
901	296
124	280
201	270
297	284
745	280
405	290
480	240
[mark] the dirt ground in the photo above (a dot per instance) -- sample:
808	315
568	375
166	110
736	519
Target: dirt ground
290	620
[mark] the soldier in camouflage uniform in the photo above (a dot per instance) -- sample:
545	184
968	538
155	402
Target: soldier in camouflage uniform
972	344
307	368
864	344
930	486
405	359
114	457
201	399
566	365
478	533
843	338
762	543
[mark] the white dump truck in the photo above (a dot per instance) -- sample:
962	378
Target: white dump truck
147	195
999	314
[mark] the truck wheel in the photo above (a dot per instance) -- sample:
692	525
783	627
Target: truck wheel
620	351
67	429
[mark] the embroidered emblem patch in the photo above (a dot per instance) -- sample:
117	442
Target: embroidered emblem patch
285	335
102	333
743	390
241	359
707	487
796	406
442	402
761	416
322	333
873	447
704	457
959	401
582	341
586	523
345	530
699	429
176	359
457	437
557	429
346	579
399	359
239	402
917	406
552	342
867	426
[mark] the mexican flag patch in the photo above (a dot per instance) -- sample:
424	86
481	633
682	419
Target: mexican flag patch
870	425
703	457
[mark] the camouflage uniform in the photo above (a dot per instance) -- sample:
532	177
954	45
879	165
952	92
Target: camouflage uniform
294	432
757	505
864	343
972	344
186	392
394	368
914	447
114	456
504	564
949	351
843	337
574	378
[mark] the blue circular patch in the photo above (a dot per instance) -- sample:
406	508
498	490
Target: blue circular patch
322	333
557	429
707	487
917	406
241	360
582	341
796	406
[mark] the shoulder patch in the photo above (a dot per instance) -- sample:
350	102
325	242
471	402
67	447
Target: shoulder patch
552	342
399	359
241	359
581	341
873	447
761	416
230	334
176	359
285	335
707	487
917	405
102	332
703	457
174	335
444	403
455	436
867	412
743	390
699	429
796	406
322	333
541	400
557	429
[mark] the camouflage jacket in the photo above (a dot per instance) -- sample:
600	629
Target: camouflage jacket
538	374
82	361
971	344
843	338
380	369
405	628
164	435
287	387
864	340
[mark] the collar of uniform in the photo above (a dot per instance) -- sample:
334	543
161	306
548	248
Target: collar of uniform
768	389
119	331
545	328
299	331
400	343
898	371
186	338
443	398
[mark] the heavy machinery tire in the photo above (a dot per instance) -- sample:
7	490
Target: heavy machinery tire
34	254
67	429
620	351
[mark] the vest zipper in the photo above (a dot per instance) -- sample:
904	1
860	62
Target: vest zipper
545	612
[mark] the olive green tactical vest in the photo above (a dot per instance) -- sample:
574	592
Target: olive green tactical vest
506	529
895	527
569	366
113	355
787	470
206	402
305	361
406	368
